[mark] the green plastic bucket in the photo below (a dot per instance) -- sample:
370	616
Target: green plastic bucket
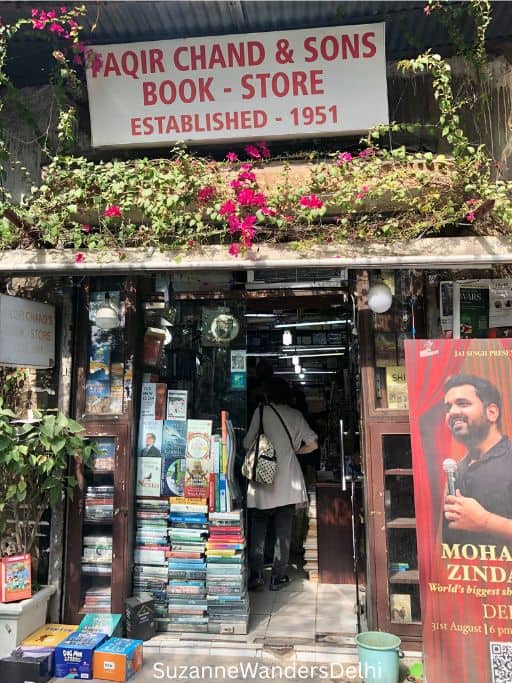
379	655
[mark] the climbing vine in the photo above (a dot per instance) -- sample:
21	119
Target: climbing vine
375	192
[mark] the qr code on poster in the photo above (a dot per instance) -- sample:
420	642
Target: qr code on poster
501	662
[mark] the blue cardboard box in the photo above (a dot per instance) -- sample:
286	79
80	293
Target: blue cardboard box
111	624
74	656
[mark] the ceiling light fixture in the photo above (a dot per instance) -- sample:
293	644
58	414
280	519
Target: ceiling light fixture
380	298
313	323
287	338
297	369
107	317
295	360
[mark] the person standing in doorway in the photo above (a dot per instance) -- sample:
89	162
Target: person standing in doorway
278	501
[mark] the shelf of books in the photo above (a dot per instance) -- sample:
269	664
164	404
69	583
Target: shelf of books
190	542
96	564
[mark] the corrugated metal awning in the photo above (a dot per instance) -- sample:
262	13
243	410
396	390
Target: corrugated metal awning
432	253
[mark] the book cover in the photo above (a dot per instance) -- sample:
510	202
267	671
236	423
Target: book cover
173	475
401	608
199	434
104	459
211	493
15	578
49	635
149	472
153	401
177	404
197	478
97	396
174	439
116	387
99	357
150	438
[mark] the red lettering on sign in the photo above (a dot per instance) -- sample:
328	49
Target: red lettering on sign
187	90
367	40
281	84
111	65
201	57
344	46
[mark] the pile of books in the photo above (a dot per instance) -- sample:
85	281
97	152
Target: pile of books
311	542
97	555
99	503
97	598
186	590
226	574
150	556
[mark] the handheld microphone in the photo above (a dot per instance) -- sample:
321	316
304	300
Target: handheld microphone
450	467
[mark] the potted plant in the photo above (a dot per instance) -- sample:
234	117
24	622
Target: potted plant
34	474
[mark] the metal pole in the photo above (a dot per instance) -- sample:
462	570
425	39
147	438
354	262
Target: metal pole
342	458
354	550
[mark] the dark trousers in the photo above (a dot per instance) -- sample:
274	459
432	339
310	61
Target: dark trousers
282	518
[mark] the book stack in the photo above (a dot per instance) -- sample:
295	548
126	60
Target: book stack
97	555
311	542
186	590
226	574
150	555
99	503
98	599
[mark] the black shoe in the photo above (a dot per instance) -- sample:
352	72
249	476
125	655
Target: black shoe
256	582
277	582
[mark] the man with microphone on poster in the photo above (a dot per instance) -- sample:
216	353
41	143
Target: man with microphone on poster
478	504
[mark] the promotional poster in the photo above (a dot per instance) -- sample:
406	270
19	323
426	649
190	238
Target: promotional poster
461	425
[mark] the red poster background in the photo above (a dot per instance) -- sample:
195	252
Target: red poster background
461	652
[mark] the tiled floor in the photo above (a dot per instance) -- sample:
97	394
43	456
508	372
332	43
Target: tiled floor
303	612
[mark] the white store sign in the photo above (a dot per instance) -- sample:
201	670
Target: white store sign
27	333
322	81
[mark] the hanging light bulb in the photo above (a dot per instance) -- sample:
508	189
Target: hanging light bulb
302	375
107	317
380	298
295	360
297	369
287	338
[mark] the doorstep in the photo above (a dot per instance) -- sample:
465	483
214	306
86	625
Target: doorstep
218	645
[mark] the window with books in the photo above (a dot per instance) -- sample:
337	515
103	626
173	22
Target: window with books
108	375
98	512
400	529
390	329
189	548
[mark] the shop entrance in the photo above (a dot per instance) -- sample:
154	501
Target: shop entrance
304	335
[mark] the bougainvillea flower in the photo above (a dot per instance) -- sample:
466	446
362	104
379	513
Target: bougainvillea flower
311	202
344	158
366	152
113	211
470	217
79	258
252	151
228	208
86	228
235	249
232	156
206	193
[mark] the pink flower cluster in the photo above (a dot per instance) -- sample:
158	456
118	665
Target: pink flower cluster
311	201
364	153
240	212
470	216
113	211
54	22
362	192
258	151
206	193
344	158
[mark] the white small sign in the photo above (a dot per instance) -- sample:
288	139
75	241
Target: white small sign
318	81
27	333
